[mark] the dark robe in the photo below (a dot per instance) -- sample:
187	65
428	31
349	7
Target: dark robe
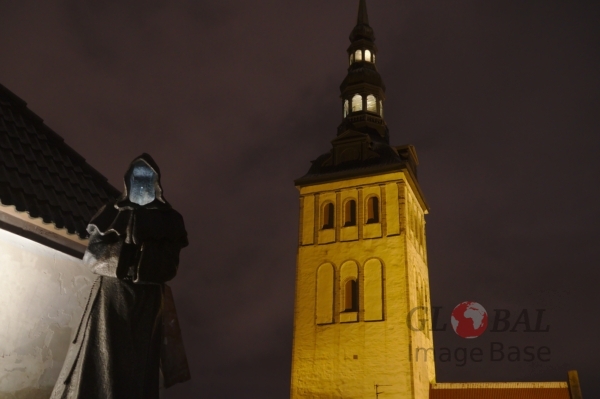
129	327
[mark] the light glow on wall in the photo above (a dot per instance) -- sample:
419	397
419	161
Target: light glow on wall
42	292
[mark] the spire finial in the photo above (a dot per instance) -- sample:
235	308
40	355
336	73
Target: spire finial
362	30
363	16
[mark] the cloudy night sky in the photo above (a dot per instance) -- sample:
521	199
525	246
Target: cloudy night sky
233	99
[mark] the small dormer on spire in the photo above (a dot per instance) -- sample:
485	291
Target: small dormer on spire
363	91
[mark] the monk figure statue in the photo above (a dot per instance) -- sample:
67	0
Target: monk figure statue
129	331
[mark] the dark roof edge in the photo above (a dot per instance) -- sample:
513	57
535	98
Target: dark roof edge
414	184
57	138
346	174
41	236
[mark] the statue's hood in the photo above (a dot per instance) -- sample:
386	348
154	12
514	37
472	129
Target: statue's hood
159	202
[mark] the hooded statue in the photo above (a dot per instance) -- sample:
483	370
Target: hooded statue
129	327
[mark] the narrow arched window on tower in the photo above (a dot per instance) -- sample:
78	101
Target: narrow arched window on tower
373	210
346	105
351	296
381	108
328	216
373	58
358	55
372	290
325	292
357	103
368	55
371	103
350	213
351	58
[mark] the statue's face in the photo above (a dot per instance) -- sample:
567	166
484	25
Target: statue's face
142	183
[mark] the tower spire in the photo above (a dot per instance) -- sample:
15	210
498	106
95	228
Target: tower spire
362	139
363	91
363	16
362	30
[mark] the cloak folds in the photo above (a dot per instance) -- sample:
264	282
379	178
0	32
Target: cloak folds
129	327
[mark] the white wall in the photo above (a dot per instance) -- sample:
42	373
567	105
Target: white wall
42	296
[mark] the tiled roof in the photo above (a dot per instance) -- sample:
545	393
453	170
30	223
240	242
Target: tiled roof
43	176
386	158
509	390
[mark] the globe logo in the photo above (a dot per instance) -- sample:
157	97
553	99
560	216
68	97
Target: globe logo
469	320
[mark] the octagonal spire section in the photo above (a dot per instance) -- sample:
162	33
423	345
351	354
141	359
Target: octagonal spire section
362	143
363	91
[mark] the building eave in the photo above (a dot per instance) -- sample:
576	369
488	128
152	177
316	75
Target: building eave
47	234
311	180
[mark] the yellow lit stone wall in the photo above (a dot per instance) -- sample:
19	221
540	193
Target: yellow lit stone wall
340	353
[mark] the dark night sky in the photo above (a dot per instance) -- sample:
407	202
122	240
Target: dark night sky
234	98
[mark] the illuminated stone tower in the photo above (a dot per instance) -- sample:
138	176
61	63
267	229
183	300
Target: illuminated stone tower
362	262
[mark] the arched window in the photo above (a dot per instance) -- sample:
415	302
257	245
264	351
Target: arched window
368	55
351	58
381	108
358	55
357	103
324	308
346	105
371	103
373	58
351	296
350	213
373	290
328	216
373	210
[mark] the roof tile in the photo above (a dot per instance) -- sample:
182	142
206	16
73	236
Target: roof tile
4	140
43	142
13	180
34	142
34	172
8	116
28	152
20	202
26	186
7	158
78	194
19	120
5	196
21	165
4	175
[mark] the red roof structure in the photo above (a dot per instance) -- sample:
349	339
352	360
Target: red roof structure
508	390
500	392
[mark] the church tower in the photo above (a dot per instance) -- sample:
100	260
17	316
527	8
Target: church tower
362	313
